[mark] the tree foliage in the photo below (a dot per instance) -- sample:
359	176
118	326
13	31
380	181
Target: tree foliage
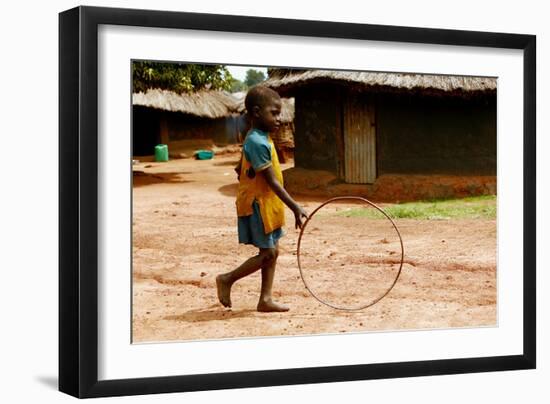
237	85
254	77
180	77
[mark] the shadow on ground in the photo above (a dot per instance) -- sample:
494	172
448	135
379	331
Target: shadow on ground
229	190
227	163
141	178
214	312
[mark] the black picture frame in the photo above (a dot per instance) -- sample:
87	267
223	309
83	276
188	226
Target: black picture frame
78	201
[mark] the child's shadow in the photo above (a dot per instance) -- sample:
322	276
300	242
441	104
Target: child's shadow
229	189
212	313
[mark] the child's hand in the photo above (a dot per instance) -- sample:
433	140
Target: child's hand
299	213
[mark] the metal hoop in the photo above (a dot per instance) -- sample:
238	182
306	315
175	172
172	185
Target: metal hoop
339	198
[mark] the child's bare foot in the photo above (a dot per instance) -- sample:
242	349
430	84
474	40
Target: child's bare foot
270	306
224	290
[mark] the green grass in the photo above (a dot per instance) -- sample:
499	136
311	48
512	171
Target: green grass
478	207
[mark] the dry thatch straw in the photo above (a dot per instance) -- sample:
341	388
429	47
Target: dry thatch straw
287	109
206	103
285	79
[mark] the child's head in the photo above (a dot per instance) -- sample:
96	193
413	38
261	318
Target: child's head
263	106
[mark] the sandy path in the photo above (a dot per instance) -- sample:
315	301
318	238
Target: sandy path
185	233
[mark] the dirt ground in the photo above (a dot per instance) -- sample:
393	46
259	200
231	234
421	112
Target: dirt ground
184	234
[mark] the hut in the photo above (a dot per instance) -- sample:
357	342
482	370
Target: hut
429	133
183	121
284	137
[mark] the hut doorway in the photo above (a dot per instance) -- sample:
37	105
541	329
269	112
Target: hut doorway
359	140
145	131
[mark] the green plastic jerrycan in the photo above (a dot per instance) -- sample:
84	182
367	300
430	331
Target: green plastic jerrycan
161	152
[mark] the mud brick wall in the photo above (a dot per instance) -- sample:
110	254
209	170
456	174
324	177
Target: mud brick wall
316	123
152	126
184	126
435	135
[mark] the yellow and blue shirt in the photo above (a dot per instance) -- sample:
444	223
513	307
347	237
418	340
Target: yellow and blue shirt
260	211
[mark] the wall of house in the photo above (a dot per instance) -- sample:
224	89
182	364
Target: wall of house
148	125
284	142
429	135
316	123
183	126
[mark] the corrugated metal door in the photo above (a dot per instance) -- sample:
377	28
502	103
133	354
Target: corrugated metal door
359	141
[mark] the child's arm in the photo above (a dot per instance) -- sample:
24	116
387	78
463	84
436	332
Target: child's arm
276	186
238	170
238	167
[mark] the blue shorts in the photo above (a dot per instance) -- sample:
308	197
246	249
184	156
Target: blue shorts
251	230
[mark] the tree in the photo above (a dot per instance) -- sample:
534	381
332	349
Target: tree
237	85
180	77
253	77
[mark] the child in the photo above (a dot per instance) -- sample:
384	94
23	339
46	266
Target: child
260	198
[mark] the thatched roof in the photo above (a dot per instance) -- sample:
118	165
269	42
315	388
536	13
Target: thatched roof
284	80
287	110
206	104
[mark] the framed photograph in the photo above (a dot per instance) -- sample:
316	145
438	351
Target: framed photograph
250	201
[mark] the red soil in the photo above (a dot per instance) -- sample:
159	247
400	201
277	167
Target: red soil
184	234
